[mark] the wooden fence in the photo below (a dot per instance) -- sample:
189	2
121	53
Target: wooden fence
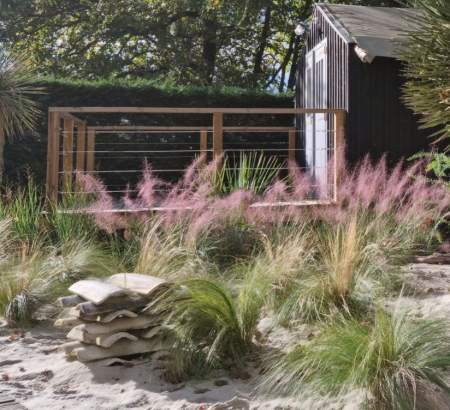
72	134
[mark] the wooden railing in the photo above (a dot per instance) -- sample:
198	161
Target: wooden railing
65	123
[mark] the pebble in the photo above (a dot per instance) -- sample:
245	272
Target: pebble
220	382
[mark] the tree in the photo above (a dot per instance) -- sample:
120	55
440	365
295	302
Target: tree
232	42
18	111
427	69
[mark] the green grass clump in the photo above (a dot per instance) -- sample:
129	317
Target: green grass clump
252	172
396	360
336	276
23	206
210	324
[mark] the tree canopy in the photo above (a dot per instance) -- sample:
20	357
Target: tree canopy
246	43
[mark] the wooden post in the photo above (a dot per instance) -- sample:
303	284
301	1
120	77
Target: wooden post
339	150
68	153
81	146
90	148
217	135
53	156
291	145
203	144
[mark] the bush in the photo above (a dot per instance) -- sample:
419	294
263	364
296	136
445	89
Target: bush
396	360
209	326
427	89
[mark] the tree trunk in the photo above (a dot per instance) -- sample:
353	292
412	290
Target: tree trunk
210	47
294	63
285	63
259	55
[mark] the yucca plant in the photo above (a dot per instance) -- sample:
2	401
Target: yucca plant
427	89
395	359
18	111
253	172
210	324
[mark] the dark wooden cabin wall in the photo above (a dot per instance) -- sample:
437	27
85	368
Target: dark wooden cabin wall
378	121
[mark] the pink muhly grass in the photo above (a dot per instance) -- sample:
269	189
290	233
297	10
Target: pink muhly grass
402	193
103	204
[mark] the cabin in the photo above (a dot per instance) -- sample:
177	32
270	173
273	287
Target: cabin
351	61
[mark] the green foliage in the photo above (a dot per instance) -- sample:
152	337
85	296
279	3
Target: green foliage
209	326
396	359
185	41
29	151
251	172
163	252
427	56
18	111
24	207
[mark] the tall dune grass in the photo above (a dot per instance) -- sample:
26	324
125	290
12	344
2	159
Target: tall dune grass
395	359
211	324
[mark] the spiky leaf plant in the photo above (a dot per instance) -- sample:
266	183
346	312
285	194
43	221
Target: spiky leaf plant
18	111
253	172
395	359
427	89
210	324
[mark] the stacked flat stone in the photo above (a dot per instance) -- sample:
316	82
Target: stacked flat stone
107	317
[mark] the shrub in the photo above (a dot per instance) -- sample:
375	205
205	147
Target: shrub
335	280
209	326
163	252
395	359
427	89
24	207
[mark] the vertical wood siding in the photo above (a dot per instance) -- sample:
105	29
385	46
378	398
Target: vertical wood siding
378	122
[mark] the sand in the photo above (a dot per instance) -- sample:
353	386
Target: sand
38	376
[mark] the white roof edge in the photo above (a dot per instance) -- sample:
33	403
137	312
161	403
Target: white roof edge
339	28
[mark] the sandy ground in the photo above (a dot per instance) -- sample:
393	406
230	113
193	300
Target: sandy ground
38	376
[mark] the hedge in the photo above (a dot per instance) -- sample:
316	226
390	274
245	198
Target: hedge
28	152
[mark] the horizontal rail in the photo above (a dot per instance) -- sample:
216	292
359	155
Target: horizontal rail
280	204
193	110
124	128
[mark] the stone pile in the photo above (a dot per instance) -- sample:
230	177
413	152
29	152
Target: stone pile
107	318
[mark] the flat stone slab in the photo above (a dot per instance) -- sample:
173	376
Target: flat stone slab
103	340
141	284
89	353
118	325
96	291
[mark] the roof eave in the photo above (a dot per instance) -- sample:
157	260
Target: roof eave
338	27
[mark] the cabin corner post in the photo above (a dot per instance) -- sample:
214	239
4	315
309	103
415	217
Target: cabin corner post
53	156
217	135
338	150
